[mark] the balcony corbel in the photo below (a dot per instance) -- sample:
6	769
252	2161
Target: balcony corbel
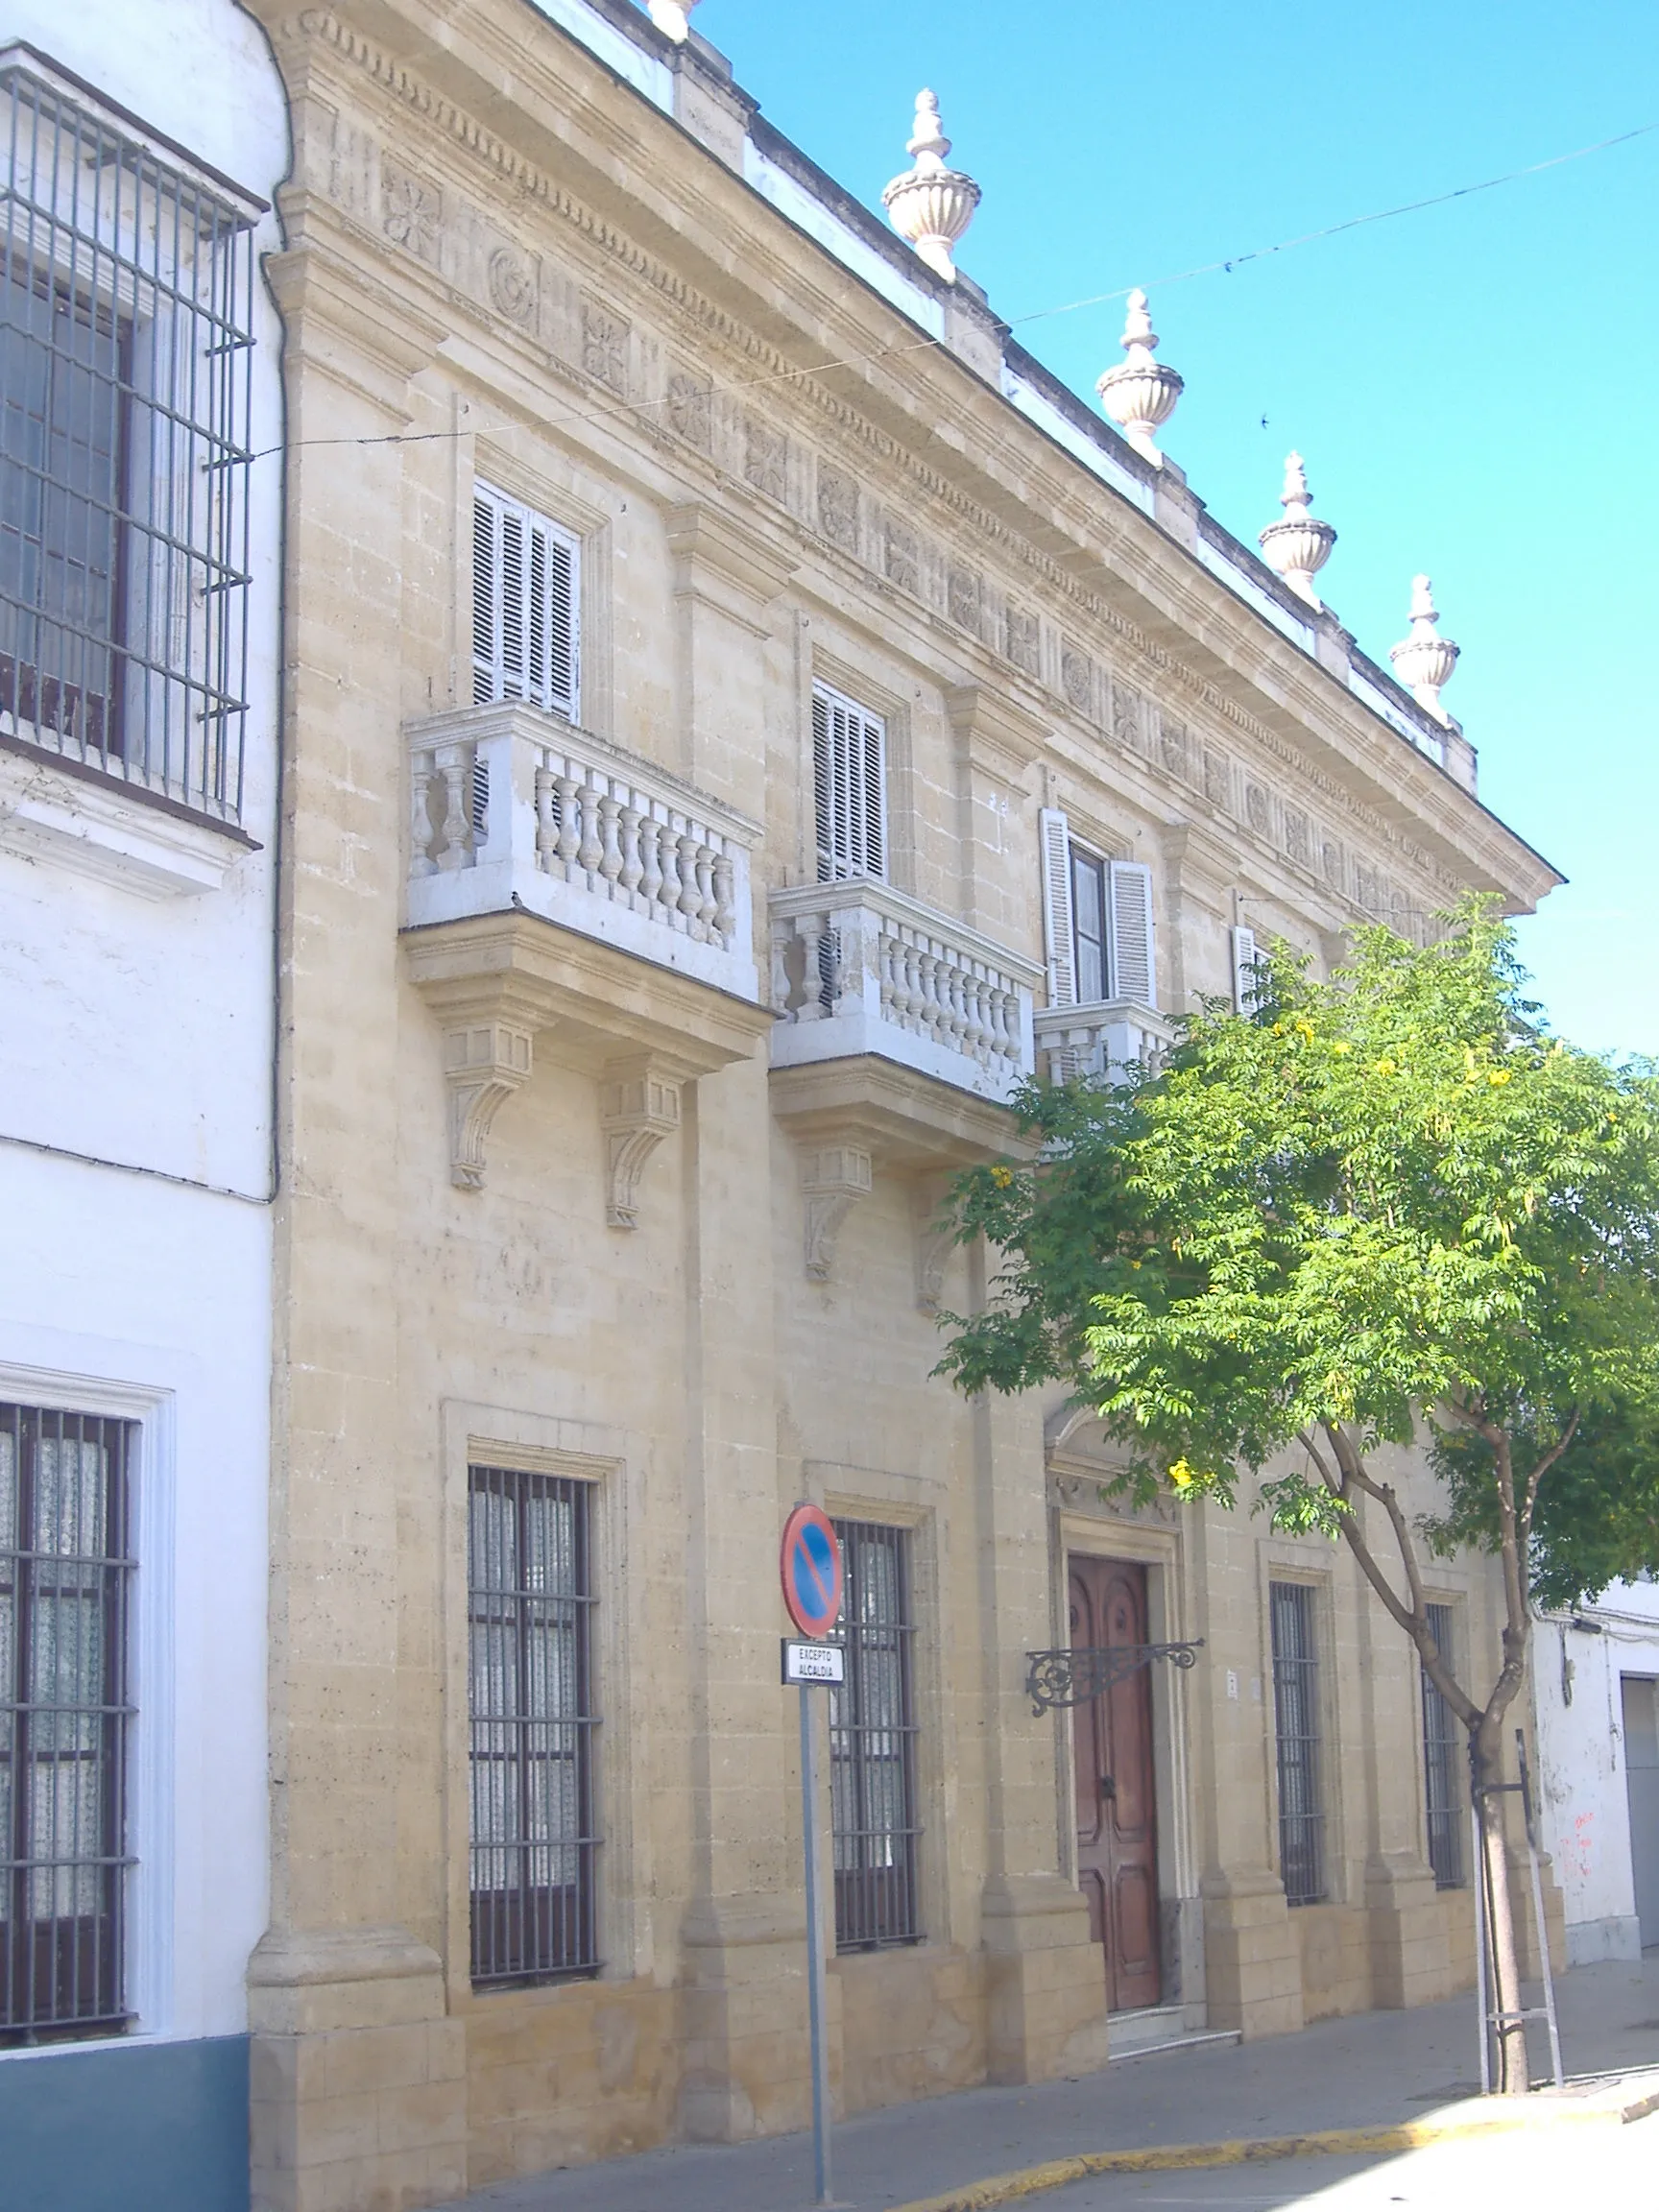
504	985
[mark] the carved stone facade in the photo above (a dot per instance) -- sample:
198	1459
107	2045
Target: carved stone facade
614	1138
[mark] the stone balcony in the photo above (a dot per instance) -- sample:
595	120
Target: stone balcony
902	1035
860	967
560	885
512	809
1108	1039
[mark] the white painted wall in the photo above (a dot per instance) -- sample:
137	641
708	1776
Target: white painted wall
139	1031
1576	1684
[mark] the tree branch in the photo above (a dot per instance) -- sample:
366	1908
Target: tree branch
1412	1618
1543	1468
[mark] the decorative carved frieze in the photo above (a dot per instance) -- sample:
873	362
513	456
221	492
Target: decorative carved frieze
411	211
766	458
1128	722
832	1180
484	1063
1078	678
639	1107
689	409
604	347
1025	636
964	598
1218	778
901	557
838	506
1297	835
1257	810
511	279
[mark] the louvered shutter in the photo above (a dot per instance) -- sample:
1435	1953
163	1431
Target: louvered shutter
1134	975
848	787
525	598
1246	991
1058	943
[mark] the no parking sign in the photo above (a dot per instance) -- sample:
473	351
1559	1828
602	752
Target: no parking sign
811	1567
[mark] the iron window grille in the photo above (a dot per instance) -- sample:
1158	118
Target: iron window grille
1296	1726
126	378
1442	1758
526	576
531	1707
66	1582
872	1745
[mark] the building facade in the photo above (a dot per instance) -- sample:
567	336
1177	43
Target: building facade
1596	1677
742	718
139	581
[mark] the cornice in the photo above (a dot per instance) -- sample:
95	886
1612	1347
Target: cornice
1326	714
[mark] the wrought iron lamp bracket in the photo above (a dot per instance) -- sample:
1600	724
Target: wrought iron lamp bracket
1059	1678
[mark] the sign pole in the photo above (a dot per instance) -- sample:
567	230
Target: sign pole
812	1569
815	1952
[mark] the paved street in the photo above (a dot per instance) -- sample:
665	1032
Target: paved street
1615	2169
1375	2068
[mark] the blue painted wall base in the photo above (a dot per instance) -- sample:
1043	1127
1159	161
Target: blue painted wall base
133	2127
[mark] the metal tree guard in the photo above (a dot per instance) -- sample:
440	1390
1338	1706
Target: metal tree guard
1493	2019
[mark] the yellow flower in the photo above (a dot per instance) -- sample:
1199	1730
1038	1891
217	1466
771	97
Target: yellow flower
1497	1076
1341	1047
1001	1177
1385	1068
1182	1475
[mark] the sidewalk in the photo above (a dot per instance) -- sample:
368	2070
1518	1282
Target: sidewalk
1371	2068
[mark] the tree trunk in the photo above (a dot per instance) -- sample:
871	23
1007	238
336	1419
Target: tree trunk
1511	2077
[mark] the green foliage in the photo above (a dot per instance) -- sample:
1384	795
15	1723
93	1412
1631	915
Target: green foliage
1383	1196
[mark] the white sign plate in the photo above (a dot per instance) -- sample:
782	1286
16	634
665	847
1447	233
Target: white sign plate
813	1662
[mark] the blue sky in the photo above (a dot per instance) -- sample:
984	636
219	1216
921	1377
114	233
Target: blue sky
1473	387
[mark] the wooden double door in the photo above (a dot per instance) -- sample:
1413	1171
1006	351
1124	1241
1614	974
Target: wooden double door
1117	1817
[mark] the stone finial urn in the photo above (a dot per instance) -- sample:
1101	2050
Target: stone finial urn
930	204
1299	546
1139	394
1424	659
673	16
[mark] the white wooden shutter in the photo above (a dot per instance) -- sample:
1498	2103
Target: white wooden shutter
1134	974
1246	989
1054	838
848	787
526	590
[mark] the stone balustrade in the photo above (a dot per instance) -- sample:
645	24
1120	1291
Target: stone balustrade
860	967
512	807
1108	1039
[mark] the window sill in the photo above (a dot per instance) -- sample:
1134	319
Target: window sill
111	832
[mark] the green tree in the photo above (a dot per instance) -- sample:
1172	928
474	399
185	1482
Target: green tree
1381	1208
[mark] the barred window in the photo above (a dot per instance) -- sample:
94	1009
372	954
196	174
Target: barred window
872	1745
1296	1724
125	352
64	1584
850	786
525	603
529	1566
1441	1759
